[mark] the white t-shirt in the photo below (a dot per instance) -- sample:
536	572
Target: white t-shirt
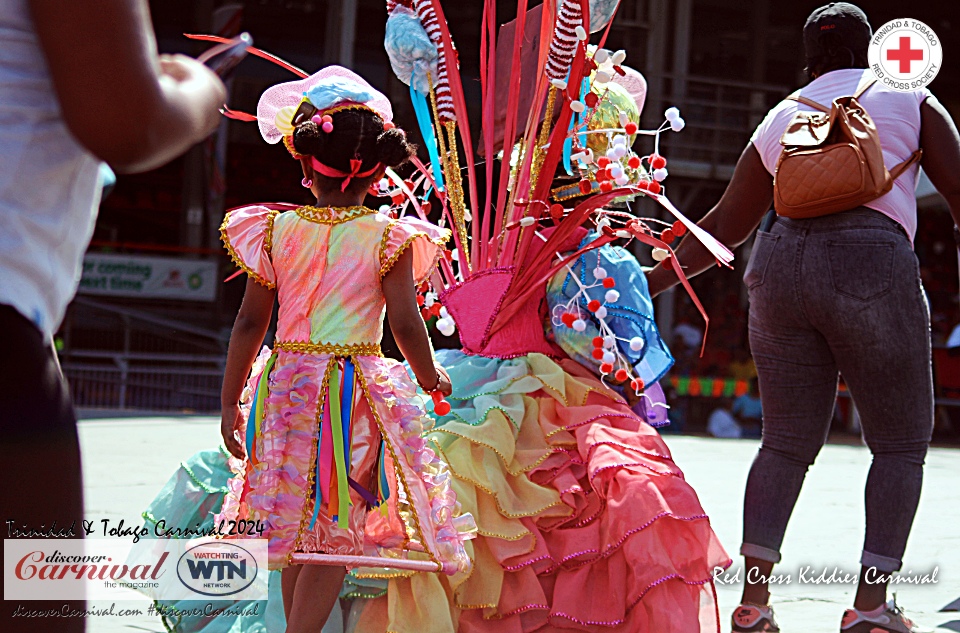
896	115
49	184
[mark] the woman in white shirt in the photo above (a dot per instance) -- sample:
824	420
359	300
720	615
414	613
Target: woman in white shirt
80	84
837	294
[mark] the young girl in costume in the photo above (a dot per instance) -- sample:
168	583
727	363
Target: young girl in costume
326	427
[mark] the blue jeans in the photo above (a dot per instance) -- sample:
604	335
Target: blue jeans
837	295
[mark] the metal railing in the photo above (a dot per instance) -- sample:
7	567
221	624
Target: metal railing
121	358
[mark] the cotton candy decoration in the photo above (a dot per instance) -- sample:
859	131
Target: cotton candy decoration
412	53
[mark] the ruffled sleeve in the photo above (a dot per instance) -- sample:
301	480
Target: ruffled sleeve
247	234
426	240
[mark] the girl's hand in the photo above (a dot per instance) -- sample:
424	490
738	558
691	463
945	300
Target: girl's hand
229	425
444	385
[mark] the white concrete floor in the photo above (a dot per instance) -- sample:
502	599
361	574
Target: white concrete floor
127	460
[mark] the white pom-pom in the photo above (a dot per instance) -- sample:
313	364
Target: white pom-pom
589	155
384	208
446	327
581	33
624	118
660	174
443	312
618	57
602	223
660	254
611	153
601	56
455	255
620	139
619	151
601	313
616	170
636	343
577	106
622	180
579	325
677	124
624	234
612	296
609	357
602	77
599	272
672	114
429	299
609	341
528	221
559	84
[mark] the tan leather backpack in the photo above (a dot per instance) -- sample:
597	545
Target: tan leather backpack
831	160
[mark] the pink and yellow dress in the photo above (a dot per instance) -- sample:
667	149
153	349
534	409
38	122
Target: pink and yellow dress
336	462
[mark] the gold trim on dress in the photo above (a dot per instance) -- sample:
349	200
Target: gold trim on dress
268	233
335	349
332	215
237	259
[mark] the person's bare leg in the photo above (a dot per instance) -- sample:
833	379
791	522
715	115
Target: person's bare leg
870	595
756	588
317	590
288	583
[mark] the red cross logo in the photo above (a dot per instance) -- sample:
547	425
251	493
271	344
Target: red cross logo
905	55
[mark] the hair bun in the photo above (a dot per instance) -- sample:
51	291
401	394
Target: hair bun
393	149
308	139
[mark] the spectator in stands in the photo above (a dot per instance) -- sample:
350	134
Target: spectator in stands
834	294
80	84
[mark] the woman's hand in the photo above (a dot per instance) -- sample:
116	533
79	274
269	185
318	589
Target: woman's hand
229	427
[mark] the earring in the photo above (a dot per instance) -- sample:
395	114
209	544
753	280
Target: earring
306	182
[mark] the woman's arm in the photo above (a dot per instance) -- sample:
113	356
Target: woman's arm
245	341
407	325
941	152
734	218
126	105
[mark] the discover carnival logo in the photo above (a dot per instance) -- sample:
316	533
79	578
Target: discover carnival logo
905	55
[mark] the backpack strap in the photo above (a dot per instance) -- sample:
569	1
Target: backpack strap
808	102
864	87
905	165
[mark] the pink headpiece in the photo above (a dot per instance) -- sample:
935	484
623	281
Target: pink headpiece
354	172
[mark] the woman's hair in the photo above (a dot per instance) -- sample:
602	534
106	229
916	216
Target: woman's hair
357	134
836	56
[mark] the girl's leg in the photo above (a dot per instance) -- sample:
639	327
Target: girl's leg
316	593
288	582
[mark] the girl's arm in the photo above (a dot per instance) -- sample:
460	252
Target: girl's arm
245	341
408	327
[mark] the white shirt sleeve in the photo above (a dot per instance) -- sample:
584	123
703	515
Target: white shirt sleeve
766	138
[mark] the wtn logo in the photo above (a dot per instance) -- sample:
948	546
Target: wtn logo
224	569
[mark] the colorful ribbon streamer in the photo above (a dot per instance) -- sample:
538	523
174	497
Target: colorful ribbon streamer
426	129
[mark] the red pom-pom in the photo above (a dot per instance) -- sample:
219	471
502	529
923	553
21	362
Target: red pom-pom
585	186
568	318
609	282
389	125
667	236
598	353
425	314
643	185
606	368
591	99
426	206
409	184
602	162
326	118
667	263
654	187
435	309
621	375
606	186
556	212
602	175
658	162
679	228
630	128
637	384
634	162
420	300
593	306
397	199
598	341
441	408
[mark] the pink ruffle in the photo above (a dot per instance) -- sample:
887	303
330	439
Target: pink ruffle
425	239
245	233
